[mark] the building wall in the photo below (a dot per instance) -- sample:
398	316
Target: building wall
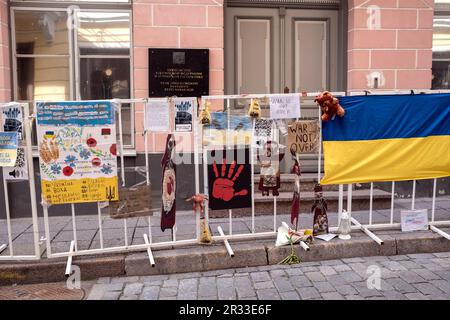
390	40
175	24
5	73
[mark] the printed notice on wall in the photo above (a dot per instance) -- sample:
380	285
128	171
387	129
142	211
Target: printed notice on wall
77	151
286	106
157	116
414	220
303	136
8	149
183	115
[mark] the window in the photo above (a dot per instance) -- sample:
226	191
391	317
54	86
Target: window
73	54
441	45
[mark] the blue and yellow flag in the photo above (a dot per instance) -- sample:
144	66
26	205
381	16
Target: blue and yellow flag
388	138
8	149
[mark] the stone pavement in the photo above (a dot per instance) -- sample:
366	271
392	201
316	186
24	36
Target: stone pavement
414	277
113	230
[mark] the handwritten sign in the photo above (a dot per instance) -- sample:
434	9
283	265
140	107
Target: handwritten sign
77	151
157	116
286	106
303	136
8	149
414	220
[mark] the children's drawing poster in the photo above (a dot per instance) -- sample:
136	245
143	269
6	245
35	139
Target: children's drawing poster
183	115
20	170
8	149
77	151
11	119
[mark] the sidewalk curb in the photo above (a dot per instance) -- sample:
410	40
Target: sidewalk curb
215	257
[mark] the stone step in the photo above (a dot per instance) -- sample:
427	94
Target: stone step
307	182
264	205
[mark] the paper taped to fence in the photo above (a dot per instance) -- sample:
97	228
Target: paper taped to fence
11	119
20	170
8	149
388	138
77	151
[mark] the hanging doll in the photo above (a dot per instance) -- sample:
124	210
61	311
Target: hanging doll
169	185
269	160
319	208
205	232
296	197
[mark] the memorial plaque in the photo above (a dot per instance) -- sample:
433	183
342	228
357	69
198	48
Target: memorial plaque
178	72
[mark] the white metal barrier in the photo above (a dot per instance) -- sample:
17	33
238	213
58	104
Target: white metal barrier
27	145
149	243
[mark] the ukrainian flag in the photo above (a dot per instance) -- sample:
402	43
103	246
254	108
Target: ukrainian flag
388	138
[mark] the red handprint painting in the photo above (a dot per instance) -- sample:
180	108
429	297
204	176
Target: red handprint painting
229	178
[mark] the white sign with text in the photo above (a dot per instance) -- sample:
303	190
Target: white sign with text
285	106
414	220
157	116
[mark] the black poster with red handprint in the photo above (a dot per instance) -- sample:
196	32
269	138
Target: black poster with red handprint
229	179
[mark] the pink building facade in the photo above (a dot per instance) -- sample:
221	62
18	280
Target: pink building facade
386	44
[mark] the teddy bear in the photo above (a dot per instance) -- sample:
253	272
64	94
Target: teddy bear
329	105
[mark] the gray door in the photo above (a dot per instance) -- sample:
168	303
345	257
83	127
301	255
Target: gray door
269	49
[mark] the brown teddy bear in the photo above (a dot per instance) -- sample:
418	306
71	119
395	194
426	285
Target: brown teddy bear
329	105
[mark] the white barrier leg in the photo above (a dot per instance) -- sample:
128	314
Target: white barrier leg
2	247
440	232
69	258
149	251
302	243
227	244
367	231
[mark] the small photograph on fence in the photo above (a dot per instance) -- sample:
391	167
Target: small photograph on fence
216	133
414	220
157	116
286	106
77	151
8	149
20	170
304	136
229	179
11	119
184	112
134	201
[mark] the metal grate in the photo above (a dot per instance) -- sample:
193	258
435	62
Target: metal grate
47	291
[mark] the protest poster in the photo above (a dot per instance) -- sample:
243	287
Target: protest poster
304	136
77	151
285	106
183	115
414	220
8	149
20	170
157	116
11	119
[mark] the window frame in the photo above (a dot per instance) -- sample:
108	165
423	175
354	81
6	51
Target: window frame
73	53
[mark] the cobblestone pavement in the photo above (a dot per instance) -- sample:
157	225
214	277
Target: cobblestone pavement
414	277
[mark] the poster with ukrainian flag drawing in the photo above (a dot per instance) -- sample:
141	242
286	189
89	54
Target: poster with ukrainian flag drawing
388	138
8	149
77	151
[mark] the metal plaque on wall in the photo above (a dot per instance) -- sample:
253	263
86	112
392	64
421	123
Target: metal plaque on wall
178	72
